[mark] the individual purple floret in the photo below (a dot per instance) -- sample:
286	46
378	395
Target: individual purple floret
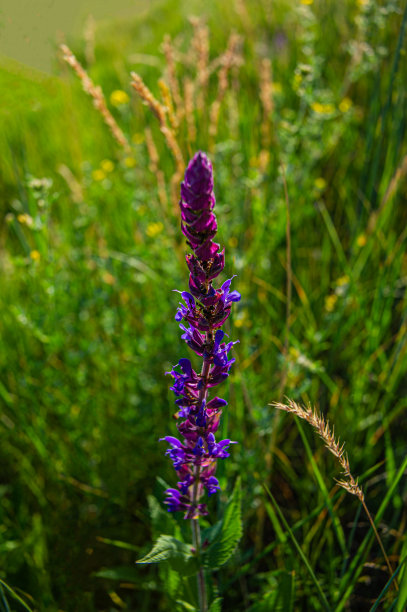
203	309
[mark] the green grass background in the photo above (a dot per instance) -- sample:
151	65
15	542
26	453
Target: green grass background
87	308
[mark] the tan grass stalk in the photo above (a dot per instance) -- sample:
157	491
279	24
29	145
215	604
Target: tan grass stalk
228	59
200	44
167	99
72	182
348	482
96	94
189	88
89	38
155	168
160	112
266	97
172	76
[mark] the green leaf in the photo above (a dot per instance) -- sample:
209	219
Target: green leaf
118	544
226	537
186	606
122	573
402	598
387	586
14	595
161	520
216	605
178	554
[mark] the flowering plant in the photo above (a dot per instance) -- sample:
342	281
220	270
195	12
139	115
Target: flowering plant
200	314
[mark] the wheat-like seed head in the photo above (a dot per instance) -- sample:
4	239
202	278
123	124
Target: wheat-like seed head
317	421
96	94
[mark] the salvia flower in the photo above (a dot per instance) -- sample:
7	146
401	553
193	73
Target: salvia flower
201	313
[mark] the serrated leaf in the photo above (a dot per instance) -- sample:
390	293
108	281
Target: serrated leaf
216	605
178	555
227	537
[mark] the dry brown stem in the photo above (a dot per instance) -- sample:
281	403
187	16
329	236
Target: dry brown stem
200	44
167	99
96	94
172	76
160	112
266	97
227	60
189	109
155	168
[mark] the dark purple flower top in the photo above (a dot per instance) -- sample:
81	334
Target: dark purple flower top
204	309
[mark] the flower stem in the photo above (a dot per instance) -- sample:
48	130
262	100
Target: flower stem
196	539
196	530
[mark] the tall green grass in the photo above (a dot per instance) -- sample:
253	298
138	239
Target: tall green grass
87	310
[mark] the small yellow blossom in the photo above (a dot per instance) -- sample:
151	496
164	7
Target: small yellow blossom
322	109
361	240
297	80
307	2
108	278
98	175
294	352
362	2
138	138
345	105
233	242
342	280
330	301
35	255
320	183
107	165
118	97
25	219
130	162
153	229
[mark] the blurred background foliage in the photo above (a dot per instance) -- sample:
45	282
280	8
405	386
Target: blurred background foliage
313	94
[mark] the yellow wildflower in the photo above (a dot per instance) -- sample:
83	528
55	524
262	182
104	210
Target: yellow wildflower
307	2
98	175
345	105
320	183
322	109
107	165
342	280
108	278
25	219
130	162
153	229
297	80
138	138
361	240
35	255
330	301
118	97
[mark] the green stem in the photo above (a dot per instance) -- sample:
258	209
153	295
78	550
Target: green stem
196	530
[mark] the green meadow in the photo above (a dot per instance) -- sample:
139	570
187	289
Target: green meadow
301	107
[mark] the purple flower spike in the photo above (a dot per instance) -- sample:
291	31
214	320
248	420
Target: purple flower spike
201	313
